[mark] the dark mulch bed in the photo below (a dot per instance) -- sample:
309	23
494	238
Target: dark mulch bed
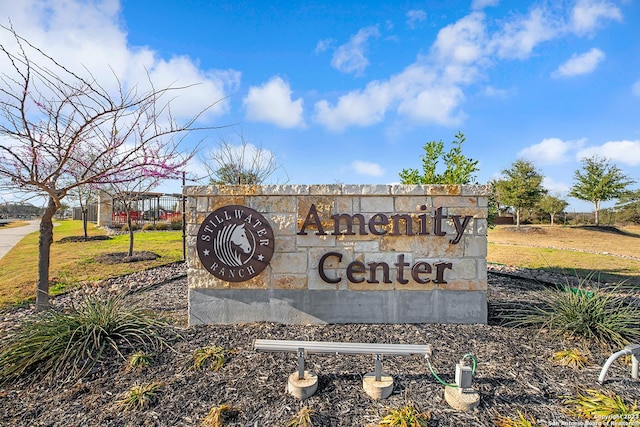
74	239
514	373
123	257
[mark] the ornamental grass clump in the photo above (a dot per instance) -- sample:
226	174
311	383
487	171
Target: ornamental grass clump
303	418
211	355
139	361
67	345
575	358
522	421
139	396
604	406
603	316
408	416
219	414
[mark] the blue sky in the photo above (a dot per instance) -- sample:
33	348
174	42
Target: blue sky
349	91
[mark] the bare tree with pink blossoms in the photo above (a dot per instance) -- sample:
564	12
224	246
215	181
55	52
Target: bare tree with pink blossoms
60	130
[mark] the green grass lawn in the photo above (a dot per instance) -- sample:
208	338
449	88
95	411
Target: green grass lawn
74	263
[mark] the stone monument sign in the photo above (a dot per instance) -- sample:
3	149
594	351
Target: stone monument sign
309	254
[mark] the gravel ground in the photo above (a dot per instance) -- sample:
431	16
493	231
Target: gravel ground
514	373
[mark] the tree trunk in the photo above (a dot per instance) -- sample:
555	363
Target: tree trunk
130	225
597	209
44	251
552	215
84	223
518	218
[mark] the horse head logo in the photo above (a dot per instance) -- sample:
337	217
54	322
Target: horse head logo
235	243
232	240
239	238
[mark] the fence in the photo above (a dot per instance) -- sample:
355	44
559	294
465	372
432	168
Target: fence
148	208
92	213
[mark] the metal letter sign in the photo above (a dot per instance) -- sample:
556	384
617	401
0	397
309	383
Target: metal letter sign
235	243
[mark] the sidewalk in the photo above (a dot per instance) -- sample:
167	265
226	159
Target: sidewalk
9	237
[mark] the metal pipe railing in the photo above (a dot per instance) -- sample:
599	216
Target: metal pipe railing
329	347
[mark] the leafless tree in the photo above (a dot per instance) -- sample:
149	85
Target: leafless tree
60	130
127	193
240	164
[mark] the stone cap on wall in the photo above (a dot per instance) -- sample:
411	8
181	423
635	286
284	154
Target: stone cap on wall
341	189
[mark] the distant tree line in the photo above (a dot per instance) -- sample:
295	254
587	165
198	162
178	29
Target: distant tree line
20	210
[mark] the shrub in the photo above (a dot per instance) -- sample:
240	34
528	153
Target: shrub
218	414
407	416
162	226
66	345
599	315
148	226
175	225
134	227
212	355
140	396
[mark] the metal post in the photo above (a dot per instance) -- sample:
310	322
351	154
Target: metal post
184	219
301	363
378	367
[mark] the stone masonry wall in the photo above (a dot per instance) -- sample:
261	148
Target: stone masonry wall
436	269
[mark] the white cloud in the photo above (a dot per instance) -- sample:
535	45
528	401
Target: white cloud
435	104
494	92
428	91
624	152
580	64
462	42
481	4
272	103
367	168
432	89
587	15
550	151
323	45
415	16
81	34
208	86
635	88
519	37
555	187
359	108
351	57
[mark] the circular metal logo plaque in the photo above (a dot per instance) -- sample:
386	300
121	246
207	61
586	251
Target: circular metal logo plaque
235	243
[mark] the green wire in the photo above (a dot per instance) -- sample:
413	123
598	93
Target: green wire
474	363
473	360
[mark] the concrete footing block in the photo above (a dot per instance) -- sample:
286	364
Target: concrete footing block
462	399
377	389
302	388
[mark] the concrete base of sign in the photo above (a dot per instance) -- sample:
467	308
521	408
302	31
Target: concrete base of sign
302	388
303	307
377	389
461	399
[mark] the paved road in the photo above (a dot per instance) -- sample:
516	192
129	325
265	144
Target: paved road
10	236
